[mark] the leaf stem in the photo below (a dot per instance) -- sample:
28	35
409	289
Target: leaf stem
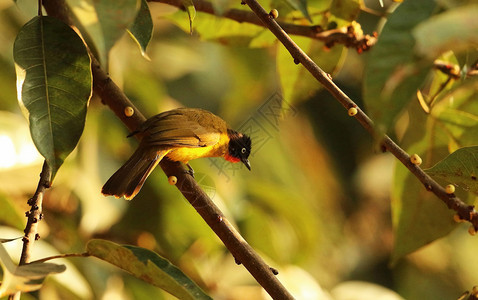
85	254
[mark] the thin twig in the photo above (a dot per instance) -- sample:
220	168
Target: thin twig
466	212
117	101
331	37
34	215
85	254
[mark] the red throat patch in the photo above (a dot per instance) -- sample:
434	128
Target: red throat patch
232	158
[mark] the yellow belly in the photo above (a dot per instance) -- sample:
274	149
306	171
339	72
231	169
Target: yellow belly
184	154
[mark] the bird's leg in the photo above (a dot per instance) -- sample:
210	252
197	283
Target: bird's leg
190	170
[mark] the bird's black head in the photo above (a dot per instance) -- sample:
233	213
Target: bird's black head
239	148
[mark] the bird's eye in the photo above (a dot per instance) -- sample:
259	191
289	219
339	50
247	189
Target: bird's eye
243	150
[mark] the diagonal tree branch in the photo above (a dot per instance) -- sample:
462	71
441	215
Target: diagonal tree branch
117	101
464	211
347	36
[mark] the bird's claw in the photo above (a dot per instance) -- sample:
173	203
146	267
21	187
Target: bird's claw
190	170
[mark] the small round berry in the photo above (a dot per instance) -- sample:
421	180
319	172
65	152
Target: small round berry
172	180
450	189
128	111
415	159
352	111
274	14
472	230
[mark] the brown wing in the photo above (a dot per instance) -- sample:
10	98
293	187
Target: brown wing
183	127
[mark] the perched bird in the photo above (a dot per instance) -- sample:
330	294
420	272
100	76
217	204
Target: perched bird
181	134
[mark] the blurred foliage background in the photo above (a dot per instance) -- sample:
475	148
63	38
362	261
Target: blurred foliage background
316	205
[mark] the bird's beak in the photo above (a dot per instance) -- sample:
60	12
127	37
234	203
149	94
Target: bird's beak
245	161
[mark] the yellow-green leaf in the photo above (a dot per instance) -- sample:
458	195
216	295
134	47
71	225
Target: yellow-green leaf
148	266
460	168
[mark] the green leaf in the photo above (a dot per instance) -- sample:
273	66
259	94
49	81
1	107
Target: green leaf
25	278
10	213
455	30
226	31
104	22
191	10
393	73
418	216
300	5
457	113
346	9
460	168
142	28
148	266
221	6
296	82
53	85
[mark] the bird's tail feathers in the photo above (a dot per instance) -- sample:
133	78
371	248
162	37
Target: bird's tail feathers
129	179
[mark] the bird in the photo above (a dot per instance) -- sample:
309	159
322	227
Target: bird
181	134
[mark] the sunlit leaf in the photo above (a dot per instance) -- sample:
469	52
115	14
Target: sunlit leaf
191	10
460	168
104	21
148	266
9	240
70	281
393	74
25	278
142	28
441	82
459	122
457	113
54	86
454	30
423	102
226	31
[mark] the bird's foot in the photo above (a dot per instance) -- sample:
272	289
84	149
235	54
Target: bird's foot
190	170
